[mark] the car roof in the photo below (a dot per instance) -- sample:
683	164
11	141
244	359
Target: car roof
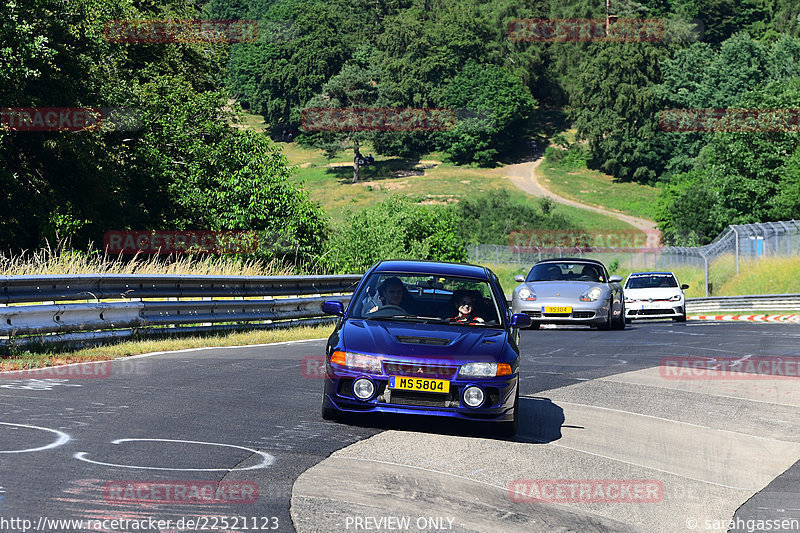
571	260
433	267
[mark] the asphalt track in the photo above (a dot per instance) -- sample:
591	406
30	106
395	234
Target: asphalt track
595	408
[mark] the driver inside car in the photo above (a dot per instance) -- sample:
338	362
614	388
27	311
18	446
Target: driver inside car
392	292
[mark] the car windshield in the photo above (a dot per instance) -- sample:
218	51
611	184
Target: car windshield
566	272
426	298
651	281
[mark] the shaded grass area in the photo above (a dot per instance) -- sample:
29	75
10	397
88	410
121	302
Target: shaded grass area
43	356
427	180
595	188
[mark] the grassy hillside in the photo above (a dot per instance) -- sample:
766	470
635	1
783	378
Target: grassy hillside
595	188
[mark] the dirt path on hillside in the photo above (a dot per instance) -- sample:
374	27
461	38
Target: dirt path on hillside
525	177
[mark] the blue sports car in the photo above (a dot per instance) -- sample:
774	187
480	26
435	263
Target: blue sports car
425	338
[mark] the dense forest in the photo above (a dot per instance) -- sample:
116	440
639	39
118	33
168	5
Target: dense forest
186	167
457	53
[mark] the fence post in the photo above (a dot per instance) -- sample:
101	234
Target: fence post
705	268
736	231
786	230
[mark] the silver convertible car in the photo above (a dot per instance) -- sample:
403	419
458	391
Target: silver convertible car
570	291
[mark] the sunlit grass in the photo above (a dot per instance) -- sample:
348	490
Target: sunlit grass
429	180
58	355
595	188
60	260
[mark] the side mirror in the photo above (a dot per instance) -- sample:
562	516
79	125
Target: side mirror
684	286
519	278
615	279
333	307
520	320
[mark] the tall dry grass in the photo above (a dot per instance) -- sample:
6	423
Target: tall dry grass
61	259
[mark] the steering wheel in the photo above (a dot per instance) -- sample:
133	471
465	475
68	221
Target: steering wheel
392	310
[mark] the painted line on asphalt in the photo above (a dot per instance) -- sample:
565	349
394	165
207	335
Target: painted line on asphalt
63	438
266	461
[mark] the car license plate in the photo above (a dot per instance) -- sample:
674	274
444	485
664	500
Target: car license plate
651	305
557	310
419	384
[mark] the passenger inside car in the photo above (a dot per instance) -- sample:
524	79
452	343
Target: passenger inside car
465	308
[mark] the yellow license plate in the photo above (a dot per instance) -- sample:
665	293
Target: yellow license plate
419	384
558	310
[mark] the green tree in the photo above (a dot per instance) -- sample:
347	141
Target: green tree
394	229
617	108
502	105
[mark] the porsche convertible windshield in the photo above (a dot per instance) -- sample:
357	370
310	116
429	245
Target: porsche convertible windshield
557	271
428	298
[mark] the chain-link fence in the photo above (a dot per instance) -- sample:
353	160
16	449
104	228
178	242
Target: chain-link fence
741	242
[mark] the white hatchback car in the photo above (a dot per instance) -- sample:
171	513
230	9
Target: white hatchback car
654	295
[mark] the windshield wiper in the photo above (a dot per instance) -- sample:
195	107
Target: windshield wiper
408	318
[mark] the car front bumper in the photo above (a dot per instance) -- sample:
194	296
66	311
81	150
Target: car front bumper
583	313
635	311
498	404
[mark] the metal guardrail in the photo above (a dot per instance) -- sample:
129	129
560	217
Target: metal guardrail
151	304
764	302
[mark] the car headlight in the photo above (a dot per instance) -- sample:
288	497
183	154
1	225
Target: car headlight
526	294
357	361
629	300
484	370
676	298
592	295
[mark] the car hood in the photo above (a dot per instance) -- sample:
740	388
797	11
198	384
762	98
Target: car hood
664	293
561	289
399	340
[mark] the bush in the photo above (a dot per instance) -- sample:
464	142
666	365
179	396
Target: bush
573	157
491	217
393	229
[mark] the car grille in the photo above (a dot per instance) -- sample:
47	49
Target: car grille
420	370
422	399
431	341
583	314
644	312
533	314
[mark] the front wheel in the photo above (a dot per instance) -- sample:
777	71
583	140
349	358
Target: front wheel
681	318
509	429
329	414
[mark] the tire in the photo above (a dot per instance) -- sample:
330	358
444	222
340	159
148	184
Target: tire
628	321
329	414
681	318
620	322
509	429
535	326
